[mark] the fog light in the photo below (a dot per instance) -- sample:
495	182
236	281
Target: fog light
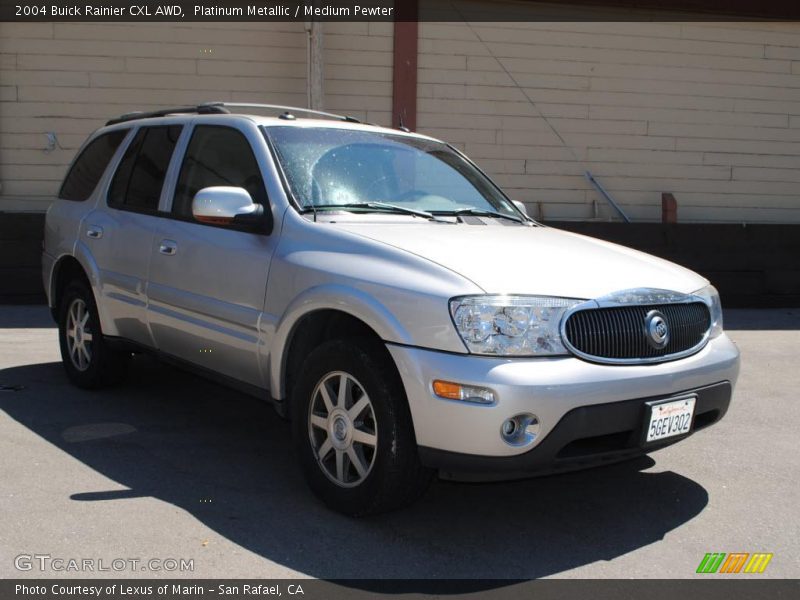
520	430
465	393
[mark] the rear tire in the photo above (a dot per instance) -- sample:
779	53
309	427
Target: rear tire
88	359
356	447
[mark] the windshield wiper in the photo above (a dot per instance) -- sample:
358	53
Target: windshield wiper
375	206
479	212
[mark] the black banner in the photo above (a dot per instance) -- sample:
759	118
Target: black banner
317	589
197	10
395	10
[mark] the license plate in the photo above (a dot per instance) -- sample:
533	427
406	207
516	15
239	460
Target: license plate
670	418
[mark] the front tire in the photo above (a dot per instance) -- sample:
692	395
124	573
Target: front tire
353	431
88	360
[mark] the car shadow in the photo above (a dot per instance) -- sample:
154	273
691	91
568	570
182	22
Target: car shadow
224	457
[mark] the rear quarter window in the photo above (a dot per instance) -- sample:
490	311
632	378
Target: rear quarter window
90	165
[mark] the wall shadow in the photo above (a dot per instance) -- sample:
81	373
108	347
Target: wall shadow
751	319
26	316
186	441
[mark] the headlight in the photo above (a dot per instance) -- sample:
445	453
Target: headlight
710	296
511	325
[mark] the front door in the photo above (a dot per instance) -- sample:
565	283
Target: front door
207	282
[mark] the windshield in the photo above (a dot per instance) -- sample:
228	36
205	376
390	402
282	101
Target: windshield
328	167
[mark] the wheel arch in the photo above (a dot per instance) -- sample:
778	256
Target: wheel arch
65	269
70	266
322	315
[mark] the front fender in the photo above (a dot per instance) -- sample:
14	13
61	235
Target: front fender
349	300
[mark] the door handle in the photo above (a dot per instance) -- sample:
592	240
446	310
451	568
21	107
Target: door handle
94	231
168	247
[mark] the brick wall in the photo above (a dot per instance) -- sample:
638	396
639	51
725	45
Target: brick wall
358	70
708	111
69	78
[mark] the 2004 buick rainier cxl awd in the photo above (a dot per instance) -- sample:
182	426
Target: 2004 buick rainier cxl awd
389	299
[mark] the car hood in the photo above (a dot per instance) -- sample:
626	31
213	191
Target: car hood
530	260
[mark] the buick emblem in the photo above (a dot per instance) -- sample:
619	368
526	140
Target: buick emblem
656	329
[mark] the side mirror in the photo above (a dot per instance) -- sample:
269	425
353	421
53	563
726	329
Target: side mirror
521	207
225	205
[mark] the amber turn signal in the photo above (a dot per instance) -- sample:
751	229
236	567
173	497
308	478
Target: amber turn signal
464	393
446	389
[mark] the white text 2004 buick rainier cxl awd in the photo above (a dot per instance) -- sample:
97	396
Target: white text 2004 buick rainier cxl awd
401	311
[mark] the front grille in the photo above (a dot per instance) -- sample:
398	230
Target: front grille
618	333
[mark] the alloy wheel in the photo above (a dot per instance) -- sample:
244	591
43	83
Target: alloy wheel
342	429
79	335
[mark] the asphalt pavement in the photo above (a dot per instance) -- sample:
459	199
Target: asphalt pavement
179	477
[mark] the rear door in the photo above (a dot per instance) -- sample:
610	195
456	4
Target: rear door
121	232
207	282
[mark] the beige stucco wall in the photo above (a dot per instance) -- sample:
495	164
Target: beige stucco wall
710	112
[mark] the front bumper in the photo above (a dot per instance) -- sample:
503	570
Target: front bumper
585	437
552	389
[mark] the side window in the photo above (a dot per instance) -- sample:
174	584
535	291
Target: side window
217	155
89	167
138	181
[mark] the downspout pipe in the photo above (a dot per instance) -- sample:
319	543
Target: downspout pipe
315	60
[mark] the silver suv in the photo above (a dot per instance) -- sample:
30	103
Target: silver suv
382	292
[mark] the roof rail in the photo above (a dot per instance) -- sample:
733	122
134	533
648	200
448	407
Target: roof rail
289	110
209	108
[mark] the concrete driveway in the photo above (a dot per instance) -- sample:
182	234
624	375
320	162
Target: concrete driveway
172	467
